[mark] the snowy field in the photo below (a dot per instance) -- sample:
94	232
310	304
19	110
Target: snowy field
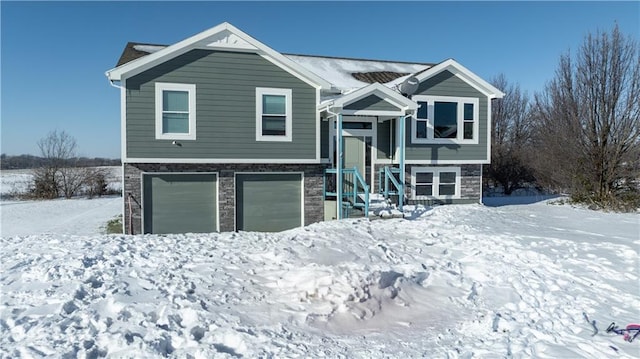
15	182
452	282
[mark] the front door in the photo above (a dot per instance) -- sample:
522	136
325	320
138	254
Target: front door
354	153
354	157
358	134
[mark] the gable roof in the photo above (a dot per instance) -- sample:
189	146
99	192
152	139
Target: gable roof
462	72
326	72
342	72
224	36
385	93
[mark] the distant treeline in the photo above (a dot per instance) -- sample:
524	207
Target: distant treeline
29	161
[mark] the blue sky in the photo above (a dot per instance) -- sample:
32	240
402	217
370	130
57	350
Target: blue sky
54	54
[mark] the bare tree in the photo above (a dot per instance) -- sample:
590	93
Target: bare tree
588	120
59	175
510	137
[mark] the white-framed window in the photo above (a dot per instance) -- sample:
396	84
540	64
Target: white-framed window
273	114
444	119
435	182
175	111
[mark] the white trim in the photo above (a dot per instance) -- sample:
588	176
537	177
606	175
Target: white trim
260	92
436	182
446	162
123	122
318	129
489	130
460	101
372	113
463	73
225	36
160	87
224	160
373	133
386	94
142	174
235	193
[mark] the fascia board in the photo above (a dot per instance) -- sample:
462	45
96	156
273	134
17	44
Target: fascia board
198	41
464	73
379	90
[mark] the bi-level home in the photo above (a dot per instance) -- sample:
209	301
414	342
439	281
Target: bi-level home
222	133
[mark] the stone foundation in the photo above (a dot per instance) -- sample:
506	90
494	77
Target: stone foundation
470	186
313	196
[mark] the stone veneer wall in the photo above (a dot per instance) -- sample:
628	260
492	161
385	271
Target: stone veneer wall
313	196
471	191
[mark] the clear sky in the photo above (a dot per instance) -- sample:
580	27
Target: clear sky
54	54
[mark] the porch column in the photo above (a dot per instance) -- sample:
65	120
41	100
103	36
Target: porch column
403	136
339	166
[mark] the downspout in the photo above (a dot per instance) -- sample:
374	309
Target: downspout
124	229
402	154
338	161
112	83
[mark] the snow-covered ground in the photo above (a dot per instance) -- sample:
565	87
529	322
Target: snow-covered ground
452	282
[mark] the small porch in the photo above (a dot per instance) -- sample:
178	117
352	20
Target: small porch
366	150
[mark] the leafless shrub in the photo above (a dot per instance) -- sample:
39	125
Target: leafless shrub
510	138
587	123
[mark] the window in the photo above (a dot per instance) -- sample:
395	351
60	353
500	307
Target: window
435	182
441	119
175	111
273	114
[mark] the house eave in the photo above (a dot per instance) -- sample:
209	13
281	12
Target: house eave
214	38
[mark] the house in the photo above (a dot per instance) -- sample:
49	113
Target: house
222	133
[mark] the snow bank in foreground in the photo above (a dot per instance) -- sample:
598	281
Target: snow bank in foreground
457	282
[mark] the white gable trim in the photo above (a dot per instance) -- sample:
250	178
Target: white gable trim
386	94
223	36
464	74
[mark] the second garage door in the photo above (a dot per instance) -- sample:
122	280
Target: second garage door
268	202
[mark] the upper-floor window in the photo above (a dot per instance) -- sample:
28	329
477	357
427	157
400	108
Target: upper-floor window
273	114
442	119
175	111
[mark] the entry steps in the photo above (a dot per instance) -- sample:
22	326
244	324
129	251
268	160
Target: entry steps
379	208
382	208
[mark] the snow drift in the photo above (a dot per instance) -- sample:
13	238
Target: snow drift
455	282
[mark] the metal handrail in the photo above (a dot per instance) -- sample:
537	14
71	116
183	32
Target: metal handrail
390	178
359	182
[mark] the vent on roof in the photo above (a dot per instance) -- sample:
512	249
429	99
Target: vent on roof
377	76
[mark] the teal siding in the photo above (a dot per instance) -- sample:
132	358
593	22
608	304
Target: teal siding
385	143
371	103
225	108
447	84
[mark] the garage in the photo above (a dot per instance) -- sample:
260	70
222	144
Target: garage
268	202
180	203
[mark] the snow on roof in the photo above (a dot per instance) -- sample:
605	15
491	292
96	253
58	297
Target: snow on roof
149	48
339	71
345	74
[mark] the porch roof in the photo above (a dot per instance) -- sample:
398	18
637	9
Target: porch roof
401	104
